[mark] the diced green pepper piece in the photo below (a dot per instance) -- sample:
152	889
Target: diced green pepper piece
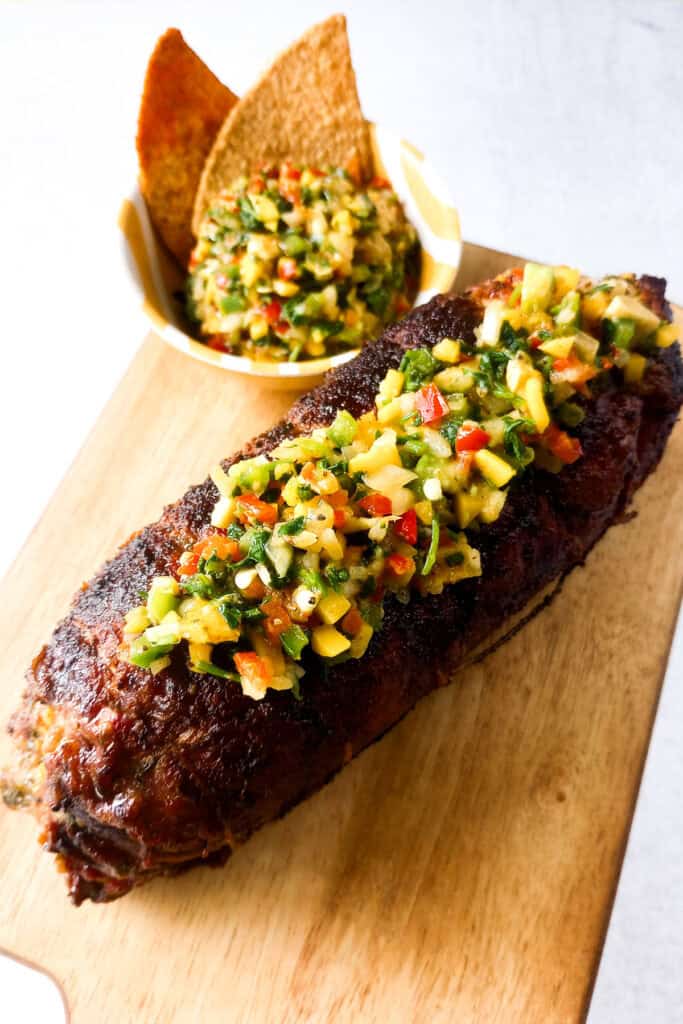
343	430
293	641
233	303
163	598
292	526
252	475
143	656
294	244
538	283
569	414
568	315
207	668
417	366
620	332
433	548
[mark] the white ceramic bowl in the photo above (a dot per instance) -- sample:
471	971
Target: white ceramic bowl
157	279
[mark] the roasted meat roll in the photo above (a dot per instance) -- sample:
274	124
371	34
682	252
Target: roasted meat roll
285	613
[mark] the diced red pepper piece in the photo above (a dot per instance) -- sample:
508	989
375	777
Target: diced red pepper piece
471	438
352	622
189	567
400	564
277	618
379	182
272	312
219	545
287	268
431	404
253	668
464	462
217	343
564	447
574	370
376	505
406	526
249	506
337	498
340	517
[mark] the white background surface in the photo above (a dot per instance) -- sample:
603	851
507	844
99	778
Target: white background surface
558	127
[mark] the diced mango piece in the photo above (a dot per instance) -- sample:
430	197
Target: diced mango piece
391	386
332	607
258	328
397	408
223	513
423	511
538	410
558	347
199	652
635	368
566	279
383	452
265	209
328	642
593	306
287	289
667	334
447	350
454	379
496	470
359	644
467	507
137	620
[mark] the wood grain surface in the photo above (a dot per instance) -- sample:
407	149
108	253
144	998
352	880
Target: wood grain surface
462	869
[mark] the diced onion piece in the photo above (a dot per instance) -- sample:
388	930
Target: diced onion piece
432	489
494	315
437	443
244	578
224	484
389	478
627	306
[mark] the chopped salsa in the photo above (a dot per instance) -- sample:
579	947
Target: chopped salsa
296	263
305	542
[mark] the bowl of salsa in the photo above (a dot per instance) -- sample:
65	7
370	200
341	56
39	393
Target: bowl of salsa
296	268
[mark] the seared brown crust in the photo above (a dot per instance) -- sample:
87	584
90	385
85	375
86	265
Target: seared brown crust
159	772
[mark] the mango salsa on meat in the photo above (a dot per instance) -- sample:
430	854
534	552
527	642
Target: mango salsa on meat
295	263
305	542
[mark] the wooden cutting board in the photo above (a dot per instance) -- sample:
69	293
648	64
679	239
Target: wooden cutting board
462	869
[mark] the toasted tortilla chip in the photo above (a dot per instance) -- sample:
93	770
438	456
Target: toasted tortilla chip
305	107
183	106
